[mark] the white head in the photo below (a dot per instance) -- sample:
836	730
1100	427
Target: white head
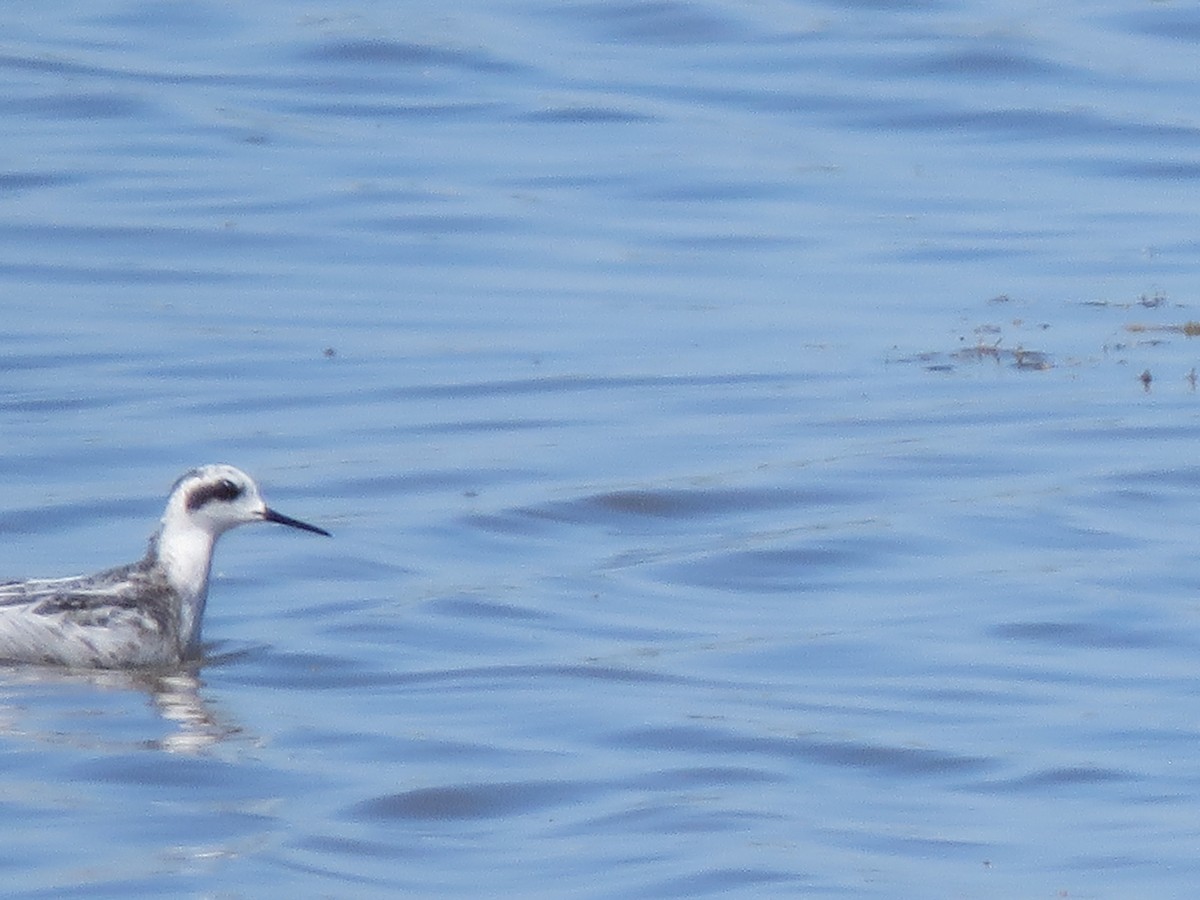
204	504
216	498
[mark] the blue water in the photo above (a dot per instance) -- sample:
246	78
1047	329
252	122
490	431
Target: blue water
759	441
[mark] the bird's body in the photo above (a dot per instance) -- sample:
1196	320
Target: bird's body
147	613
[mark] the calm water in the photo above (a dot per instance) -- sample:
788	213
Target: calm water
730	417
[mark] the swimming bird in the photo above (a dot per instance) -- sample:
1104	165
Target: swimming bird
147	613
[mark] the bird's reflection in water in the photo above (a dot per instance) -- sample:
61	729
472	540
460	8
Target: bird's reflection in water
197	726
194	724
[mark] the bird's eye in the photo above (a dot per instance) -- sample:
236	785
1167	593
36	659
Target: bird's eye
223	490
227	490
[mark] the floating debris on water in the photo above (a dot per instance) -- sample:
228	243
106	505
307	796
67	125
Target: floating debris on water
1018	358
1031	359
1189	328
1003	341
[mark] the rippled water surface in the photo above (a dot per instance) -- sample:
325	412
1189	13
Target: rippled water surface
760	442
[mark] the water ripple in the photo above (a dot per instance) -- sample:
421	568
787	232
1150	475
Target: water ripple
472	801
710	740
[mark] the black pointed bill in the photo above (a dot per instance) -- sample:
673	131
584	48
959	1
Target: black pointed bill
269	515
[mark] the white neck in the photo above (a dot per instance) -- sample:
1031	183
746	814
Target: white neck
184	552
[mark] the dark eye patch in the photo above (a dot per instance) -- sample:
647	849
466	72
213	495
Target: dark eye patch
224	490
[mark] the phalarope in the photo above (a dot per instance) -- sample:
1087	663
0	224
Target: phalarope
147	613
